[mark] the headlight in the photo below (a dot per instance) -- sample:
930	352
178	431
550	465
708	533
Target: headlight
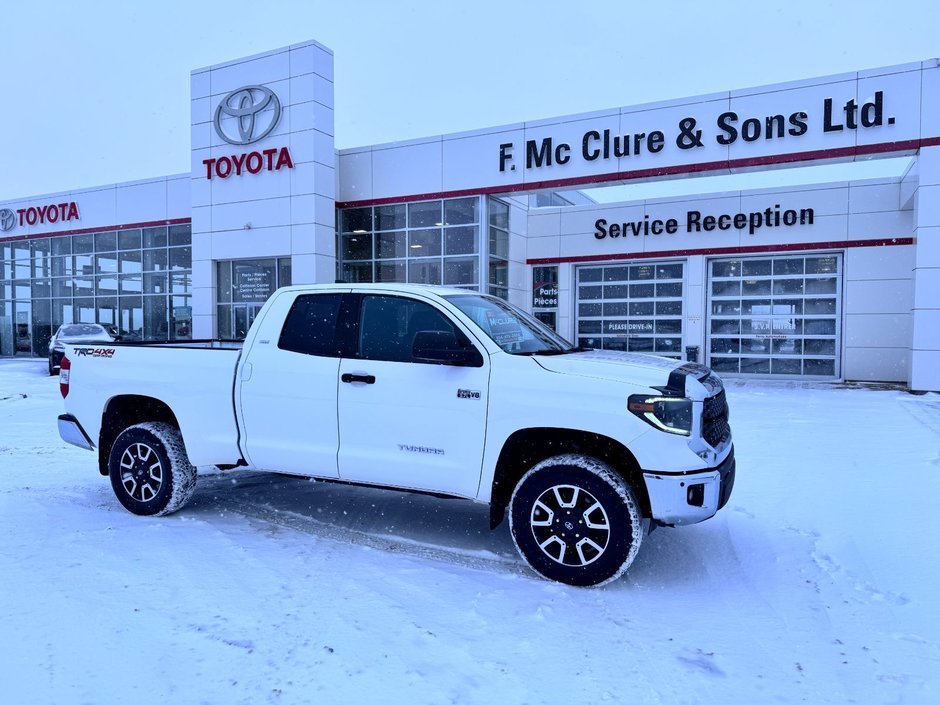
670	414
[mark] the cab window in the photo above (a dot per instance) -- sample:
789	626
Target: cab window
388	324
310	327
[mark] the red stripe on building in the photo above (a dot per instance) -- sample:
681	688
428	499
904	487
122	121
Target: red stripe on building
747	249
105	229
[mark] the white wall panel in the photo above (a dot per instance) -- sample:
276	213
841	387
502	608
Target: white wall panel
925	370
884	224
303	88
355	169
926	334
877	364
870	198
303	58
323	118
141	202
303	209
877	330
469	161
201	110
928	247
878	296
930	103
886	262
543	247
325	211
200	136
268	213
312	177
199	84
178	196
200	192
261	70
544	224
926	287
928	205
422	176
301	117
242	244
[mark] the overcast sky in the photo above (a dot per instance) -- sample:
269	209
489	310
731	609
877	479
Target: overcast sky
98	92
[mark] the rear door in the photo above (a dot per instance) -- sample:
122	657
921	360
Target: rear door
288	387
403	422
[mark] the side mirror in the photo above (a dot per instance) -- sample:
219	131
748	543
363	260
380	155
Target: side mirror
442	348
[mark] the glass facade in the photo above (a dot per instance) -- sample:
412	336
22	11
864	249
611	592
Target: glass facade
426	242
498	255
138	280
243	287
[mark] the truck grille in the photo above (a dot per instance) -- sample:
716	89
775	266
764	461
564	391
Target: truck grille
715	428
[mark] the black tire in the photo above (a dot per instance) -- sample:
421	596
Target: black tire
575	520
150	473
52	369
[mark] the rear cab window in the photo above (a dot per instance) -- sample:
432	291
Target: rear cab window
310	326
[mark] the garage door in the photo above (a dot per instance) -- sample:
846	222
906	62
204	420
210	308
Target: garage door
633	307
775	315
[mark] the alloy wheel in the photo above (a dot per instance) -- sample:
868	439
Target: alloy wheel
141	472
570	525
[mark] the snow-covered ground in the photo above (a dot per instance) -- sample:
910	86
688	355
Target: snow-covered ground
818	583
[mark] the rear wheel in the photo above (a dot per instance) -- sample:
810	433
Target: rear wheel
150	473
575	520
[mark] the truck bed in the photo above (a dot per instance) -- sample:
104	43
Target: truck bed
195	381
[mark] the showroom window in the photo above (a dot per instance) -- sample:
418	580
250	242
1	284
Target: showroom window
138	280
243	287
426	242
775	315
498	254
632	307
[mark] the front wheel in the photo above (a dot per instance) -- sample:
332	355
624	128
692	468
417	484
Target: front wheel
576	521
150	473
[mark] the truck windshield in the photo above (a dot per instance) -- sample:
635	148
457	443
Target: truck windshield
511	329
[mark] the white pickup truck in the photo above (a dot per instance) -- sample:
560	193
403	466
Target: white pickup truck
426	389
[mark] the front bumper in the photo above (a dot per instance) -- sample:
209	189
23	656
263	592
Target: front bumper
71	431
691	497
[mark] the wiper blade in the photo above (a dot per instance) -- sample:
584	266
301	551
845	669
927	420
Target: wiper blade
555	351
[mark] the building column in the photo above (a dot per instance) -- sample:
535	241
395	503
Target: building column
925	347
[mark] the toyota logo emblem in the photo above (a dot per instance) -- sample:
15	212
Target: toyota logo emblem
7	219
247	115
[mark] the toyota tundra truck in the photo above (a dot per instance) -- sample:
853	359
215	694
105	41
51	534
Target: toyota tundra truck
426	389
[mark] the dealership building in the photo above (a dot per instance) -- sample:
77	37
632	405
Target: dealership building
831	281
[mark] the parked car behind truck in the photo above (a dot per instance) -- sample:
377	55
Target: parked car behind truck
77	333
426	389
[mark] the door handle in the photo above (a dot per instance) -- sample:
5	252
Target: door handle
347	377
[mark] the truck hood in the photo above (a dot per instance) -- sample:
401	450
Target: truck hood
632	368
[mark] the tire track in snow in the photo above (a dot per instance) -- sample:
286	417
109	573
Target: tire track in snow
263	510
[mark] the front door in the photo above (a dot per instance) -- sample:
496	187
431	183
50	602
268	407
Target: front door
404	422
